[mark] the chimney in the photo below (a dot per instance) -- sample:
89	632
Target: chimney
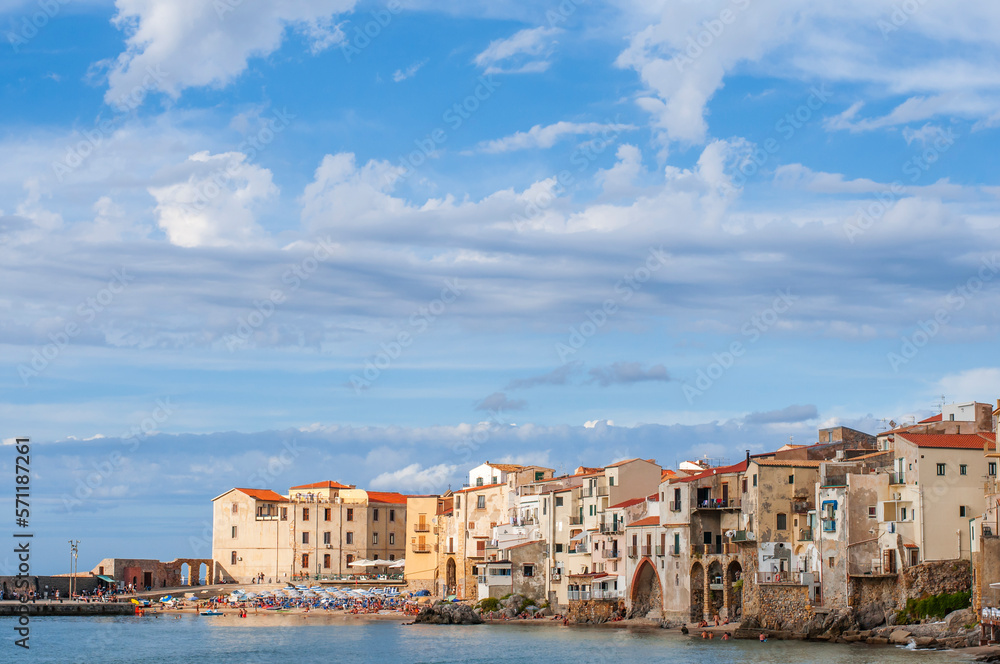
748	451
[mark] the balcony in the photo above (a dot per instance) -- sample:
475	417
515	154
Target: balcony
578	595
611	593
725	548
675	506
576	521
794	578
611	527
612	554
421	548
740	536
835	480
633	552
481	580
659	550
556	574
646	550
422	528
897	478
716	504
805	534
674	550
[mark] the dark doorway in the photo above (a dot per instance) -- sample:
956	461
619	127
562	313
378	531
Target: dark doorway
147	579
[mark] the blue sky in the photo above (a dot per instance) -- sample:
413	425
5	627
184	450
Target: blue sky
564	233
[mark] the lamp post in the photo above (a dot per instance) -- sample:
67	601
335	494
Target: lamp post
73	553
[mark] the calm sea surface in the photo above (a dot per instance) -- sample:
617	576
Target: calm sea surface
214	640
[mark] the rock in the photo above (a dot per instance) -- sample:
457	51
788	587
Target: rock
900	637
877	640
448	614
924	641
871	617
850	639
974	637
957	620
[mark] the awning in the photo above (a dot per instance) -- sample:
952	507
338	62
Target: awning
579	537
106	578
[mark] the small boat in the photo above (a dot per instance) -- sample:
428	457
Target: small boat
211	613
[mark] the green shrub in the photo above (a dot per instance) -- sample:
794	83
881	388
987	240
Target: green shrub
489	604
933	606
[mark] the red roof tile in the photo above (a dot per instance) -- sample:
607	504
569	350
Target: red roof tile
935	418
477	488
951	441
627	503
386	497
262	494
648	521
723	470
330	484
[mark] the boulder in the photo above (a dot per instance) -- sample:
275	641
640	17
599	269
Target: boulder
957	620
448	614
924	641
871	617
877	640
900	637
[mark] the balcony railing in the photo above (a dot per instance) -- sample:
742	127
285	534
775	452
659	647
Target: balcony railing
740	536
659	550
578	595
715	504
633	552
805	534
723	548
795	578
421	548
897	478
576	520
612	554
422	528
481	579
674	550
835	480
646	550
611	593
802	506
611	526
581	547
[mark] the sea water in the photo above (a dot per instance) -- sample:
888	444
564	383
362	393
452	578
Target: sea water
292	639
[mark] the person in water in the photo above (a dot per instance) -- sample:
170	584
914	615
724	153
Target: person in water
763	637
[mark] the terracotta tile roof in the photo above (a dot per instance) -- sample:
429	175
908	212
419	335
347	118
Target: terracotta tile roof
869	455
324	485
648	521
477	488
263	494
506	467
518	546
622	463
952	441
790	463
666	473
935	418
386	497
723	470
627	503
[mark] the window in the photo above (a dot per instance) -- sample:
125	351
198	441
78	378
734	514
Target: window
392	516
559	548
744	485
350	514
350	559
326	537
392	538
374	538
349	537
963	469
593	510
940	469
494	480
375	514
529	570
480	502
326	560
305	537
902	514
755	479
305	560
234	532
392	556
951	417
232	558
458	502
782	522
284	514
558	501
831	561
791	479
872	511
305	513
961	510
611	481
326	514
479	481
993	468
539	475
236	508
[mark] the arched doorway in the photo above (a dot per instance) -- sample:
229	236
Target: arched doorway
185	574
647	595
734	588
716	590
203	574
451	583
697	592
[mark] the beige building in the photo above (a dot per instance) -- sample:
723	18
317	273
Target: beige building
422	541
318	530
464	536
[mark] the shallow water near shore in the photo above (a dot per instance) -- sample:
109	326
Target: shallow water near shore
189	638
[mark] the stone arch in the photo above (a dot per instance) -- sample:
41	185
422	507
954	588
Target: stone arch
451	577
734	596
204	578
697	592
716	597
185	574
647	594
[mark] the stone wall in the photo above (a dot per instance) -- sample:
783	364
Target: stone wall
891	593
594	611
986	563
43	584
783	606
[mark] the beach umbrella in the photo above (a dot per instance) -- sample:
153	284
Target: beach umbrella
363	563
379	562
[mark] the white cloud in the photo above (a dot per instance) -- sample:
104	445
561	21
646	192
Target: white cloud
416	478
213	205
525	52
172	45
401	75
546	136
970	385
